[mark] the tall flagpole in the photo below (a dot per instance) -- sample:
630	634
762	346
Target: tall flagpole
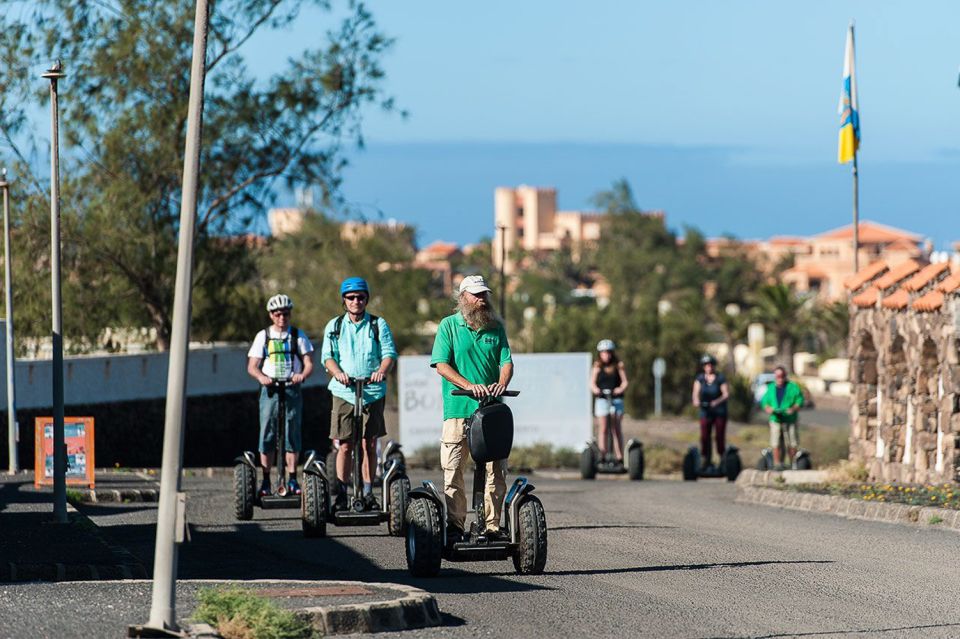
856	174
856	216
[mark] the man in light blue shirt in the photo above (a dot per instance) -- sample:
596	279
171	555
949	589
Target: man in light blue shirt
360	345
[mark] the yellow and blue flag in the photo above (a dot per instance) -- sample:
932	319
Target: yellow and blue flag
849	107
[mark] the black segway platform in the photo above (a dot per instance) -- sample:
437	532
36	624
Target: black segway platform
394	484
245	470
729	468
593	462
522	517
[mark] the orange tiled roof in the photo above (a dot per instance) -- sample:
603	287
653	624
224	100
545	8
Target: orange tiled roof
812	270
951	283
927	274
867	298
865	274
440	247
929	302
897	301
897	273
870	233
787	240
903	244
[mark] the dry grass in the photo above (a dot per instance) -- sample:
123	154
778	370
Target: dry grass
241	614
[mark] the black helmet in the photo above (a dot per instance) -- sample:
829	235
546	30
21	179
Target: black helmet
708	359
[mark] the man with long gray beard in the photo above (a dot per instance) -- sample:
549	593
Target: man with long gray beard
470	352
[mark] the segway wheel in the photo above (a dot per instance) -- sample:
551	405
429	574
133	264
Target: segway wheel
399	488
244	491
531	554
424	538
803	462
588	465
635	462
313	506
765	462
690	465
732	466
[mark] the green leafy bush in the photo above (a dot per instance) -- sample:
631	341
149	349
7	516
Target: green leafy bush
662	460
740	404
240	614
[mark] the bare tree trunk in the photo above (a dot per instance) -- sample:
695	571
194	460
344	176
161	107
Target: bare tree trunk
785	352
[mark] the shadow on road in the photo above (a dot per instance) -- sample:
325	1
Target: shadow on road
737	564
251	551
830	633
554	529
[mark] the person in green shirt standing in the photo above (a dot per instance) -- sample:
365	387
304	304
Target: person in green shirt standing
470	352
782	402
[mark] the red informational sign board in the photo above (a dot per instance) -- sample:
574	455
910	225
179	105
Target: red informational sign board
78	435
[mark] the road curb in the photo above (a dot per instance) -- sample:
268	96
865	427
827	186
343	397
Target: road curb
412	609
127	566
923	516
415	609
118	496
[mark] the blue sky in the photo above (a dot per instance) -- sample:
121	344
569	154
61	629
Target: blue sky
722	113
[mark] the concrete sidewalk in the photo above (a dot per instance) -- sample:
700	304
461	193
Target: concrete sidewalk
35	548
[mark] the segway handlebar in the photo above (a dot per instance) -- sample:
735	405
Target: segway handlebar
358	380
466	393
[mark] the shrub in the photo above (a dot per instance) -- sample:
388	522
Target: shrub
740	403
662	460
542	455
427	457
847	472
240	614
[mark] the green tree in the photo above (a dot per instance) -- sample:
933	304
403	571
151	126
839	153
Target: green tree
310	265
656	306
781	311
124	107
829	326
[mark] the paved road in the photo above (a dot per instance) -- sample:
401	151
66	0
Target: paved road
649	559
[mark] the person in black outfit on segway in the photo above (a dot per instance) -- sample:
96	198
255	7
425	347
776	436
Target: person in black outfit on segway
710	393
608	381
280	359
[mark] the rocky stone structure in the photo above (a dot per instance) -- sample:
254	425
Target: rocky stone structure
905	415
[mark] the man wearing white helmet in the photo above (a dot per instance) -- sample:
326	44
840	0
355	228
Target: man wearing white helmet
280	352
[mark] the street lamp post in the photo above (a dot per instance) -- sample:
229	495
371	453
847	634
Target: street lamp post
59	446
170	509
14	463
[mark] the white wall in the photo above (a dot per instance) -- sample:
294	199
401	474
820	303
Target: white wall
553	406
218	370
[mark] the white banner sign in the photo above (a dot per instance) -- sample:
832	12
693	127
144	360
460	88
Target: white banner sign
553	405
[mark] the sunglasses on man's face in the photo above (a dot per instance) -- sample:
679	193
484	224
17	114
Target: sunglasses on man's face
285	313
355	298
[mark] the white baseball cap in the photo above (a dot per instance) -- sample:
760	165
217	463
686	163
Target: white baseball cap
474	284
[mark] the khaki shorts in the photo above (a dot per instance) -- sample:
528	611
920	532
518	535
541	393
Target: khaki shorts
790	438
341	420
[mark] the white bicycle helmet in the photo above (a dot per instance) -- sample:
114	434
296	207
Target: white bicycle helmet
606	345
278	302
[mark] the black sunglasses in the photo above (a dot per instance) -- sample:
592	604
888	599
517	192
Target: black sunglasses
284	312
355	298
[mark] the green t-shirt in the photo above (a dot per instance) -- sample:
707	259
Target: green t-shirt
792	396
477	355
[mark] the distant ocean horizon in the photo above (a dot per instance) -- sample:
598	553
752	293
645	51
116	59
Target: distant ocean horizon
446	189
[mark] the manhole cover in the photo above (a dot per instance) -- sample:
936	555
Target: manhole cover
322	591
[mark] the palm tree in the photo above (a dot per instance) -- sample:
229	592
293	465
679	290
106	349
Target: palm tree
781	311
